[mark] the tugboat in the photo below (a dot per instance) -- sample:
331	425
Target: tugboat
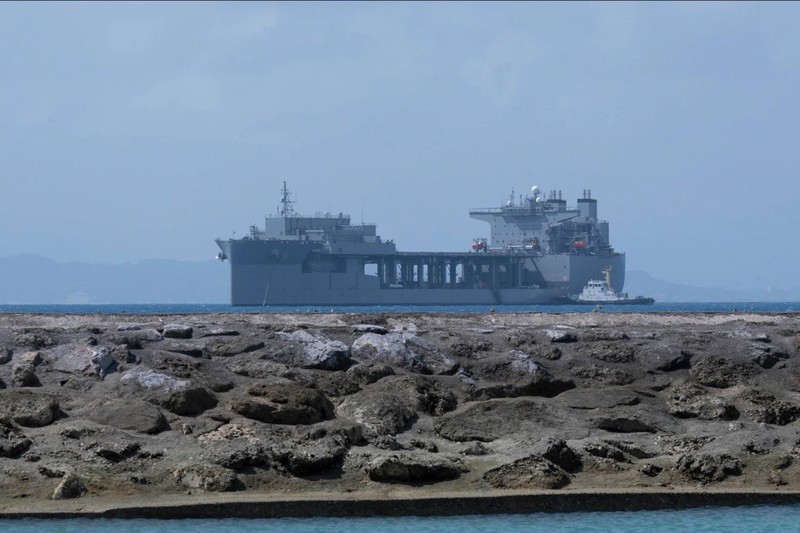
600	292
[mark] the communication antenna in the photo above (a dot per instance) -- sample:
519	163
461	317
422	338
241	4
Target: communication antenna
287	204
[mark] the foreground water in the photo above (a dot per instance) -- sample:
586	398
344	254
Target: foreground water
727	519
684	307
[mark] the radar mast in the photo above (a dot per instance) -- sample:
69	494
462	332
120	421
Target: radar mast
287	204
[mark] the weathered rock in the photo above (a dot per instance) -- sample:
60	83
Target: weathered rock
381	413
557	452
102	361
519	375
464	346
402	349
706	467
219	332
493	419
611	352
595	335
319	351
220	347
761	445
604	451
370	328
259	369
33	358
29	408
768	359
561	334
692	401
207	477
665	358
130	415
367	374
236	447
5	355
82	359
71	486
282	403
185	348
598	398
387	442
53	471
624	424
476	448
770	410
2	384
13	442
176	365
532	472
549	352
603	374
136	339
715	371
152	380
331	384
311	458
117	451
24	376
177	331
413	468
36	341
639	450
650	470
188	402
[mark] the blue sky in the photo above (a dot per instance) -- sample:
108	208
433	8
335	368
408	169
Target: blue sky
144	130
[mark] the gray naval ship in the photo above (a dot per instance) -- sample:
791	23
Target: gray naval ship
540	251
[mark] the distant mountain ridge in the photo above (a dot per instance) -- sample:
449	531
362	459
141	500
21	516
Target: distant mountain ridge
33	279
638	282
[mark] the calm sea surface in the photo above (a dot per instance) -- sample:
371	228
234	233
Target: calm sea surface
727	519
700	307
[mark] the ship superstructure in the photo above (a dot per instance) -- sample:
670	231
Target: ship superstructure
540	252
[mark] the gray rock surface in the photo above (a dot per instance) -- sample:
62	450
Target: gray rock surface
29	408
532	472
188	402
402	349
13	441
707	468
177	331
210	478
24	375
283	403
131	415
456	402
413	468
319	351
71	486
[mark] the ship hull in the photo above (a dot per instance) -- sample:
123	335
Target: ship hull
266	272
642	300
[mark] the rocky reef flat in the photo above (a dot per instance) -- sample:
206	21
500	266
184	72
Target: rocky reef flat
115	411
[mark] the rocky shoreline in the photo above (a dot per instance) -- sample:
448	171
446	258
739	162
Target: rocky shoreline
100	413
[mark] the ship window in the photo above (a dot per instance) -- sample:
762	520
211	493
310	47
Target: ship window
370	269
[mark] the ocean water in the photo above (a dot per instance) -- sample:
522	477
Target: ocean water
723	519
685	307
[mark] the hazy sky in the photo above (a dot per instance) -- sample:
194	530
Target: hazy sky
145	130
